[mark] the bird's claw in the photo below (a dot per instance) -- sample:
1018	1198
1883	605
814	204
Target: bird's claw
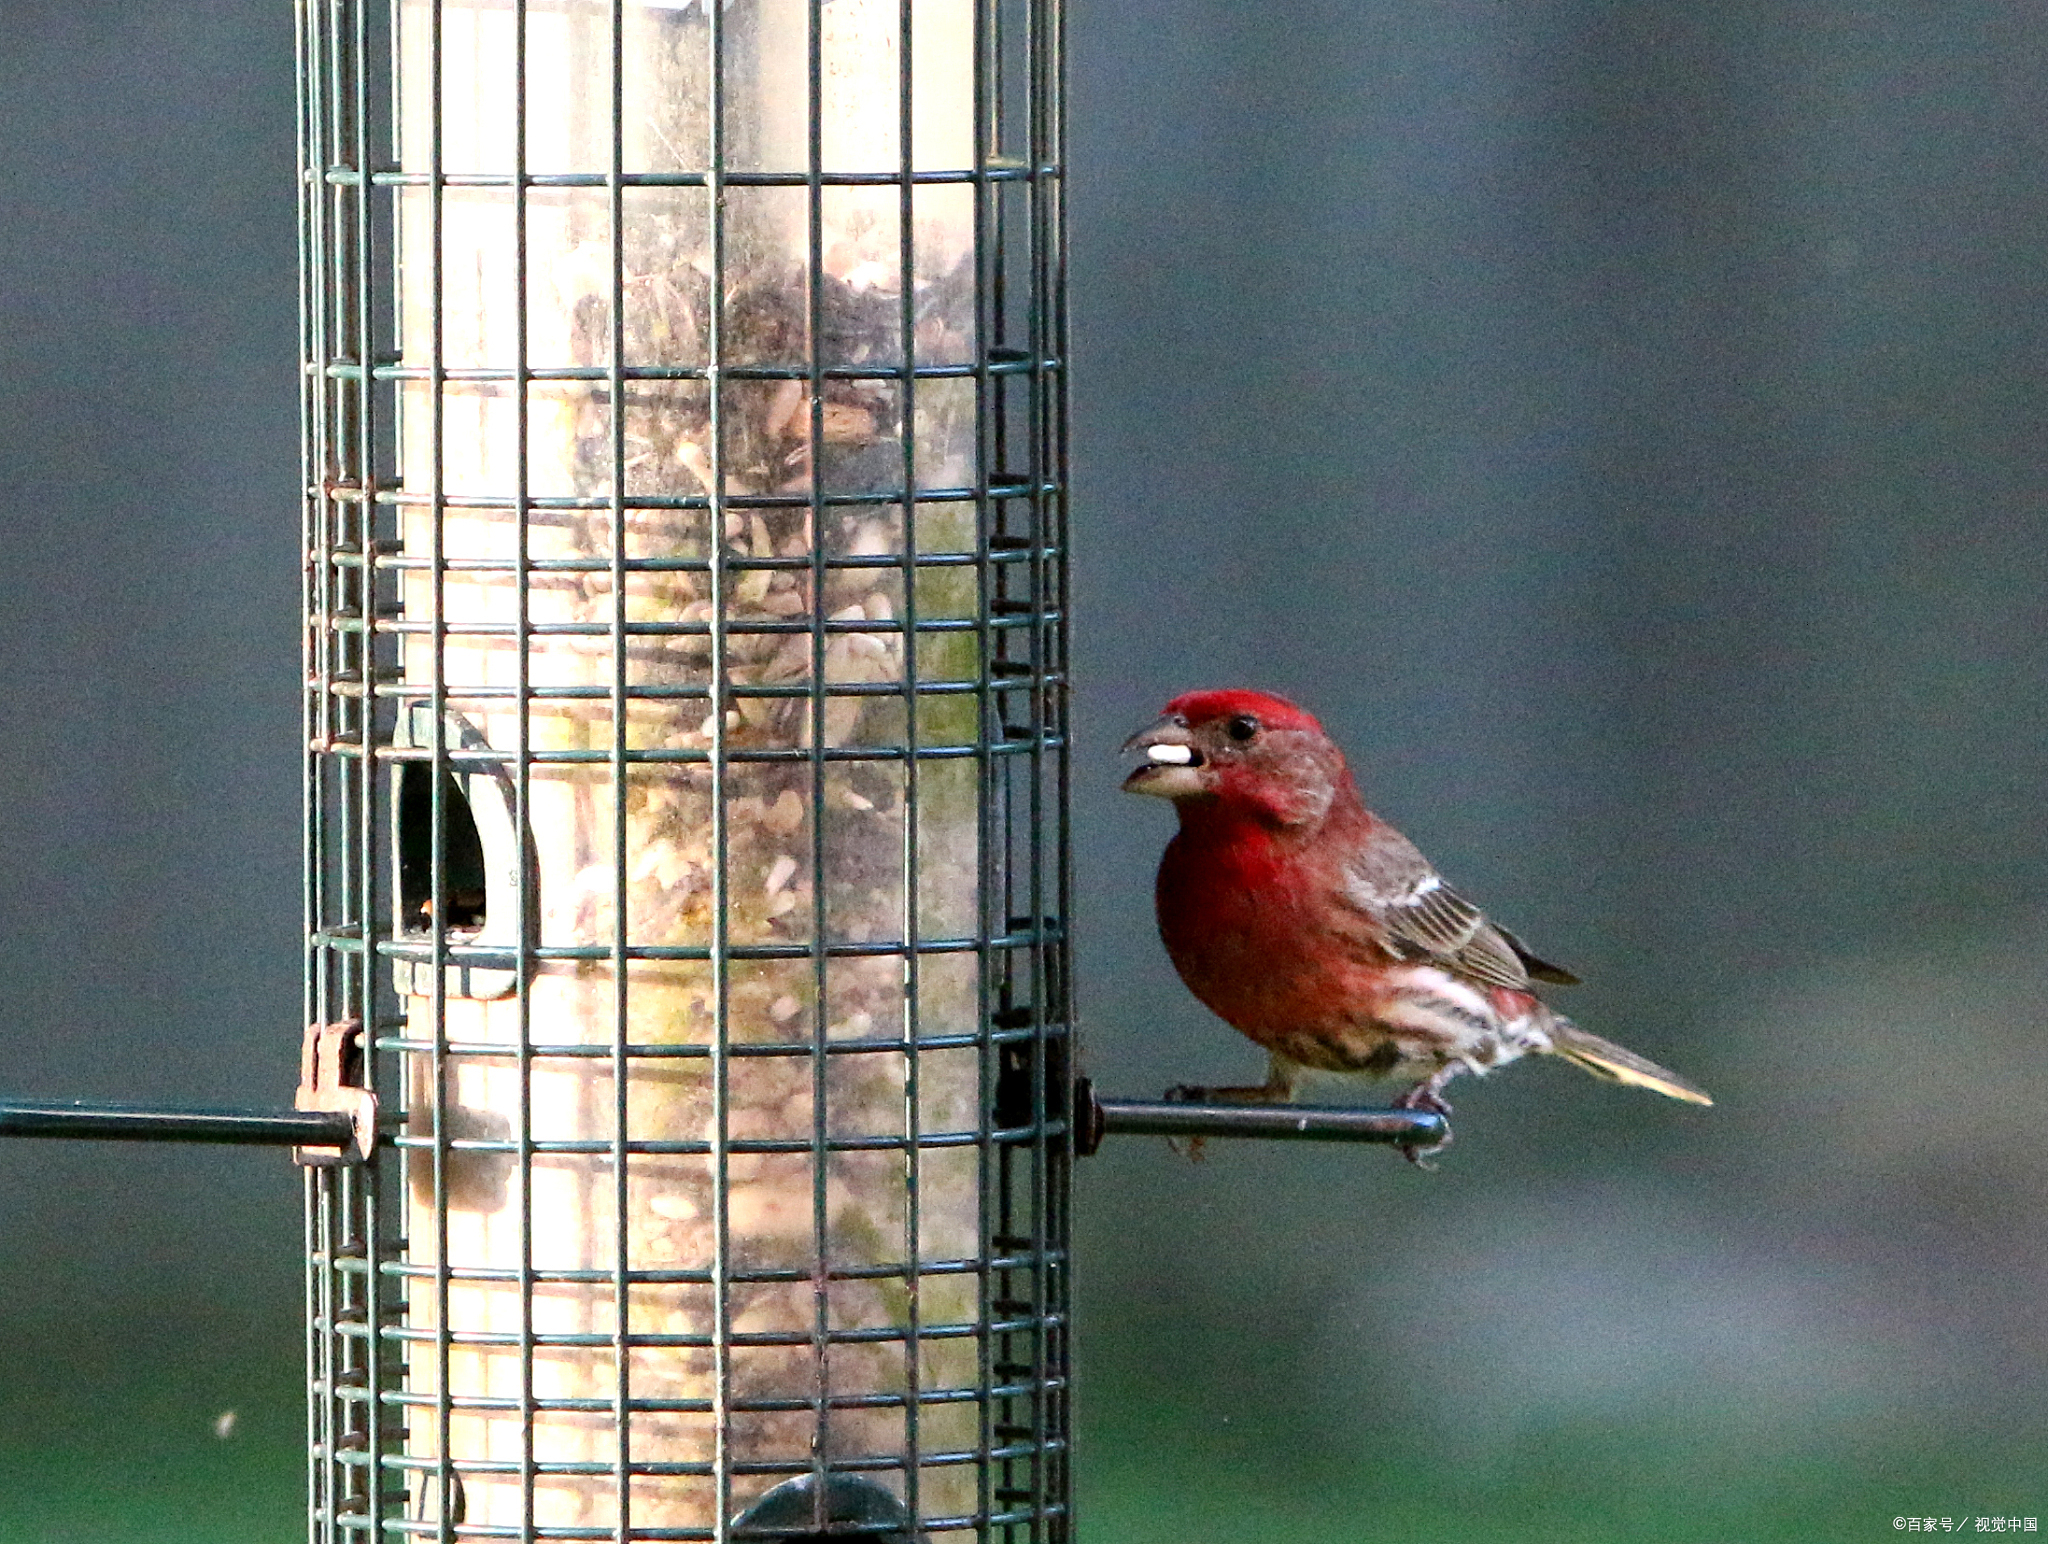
1420	1156
1425	1099
1186	1093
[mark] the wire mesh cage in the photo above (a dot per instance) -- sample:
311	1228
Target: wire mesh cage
685	597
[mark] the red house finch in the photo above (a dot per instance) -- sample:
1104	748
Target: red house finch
1320	932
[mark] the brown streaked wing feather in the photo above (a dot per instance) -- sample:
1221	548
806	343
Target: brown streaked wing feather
1457	932
1426	917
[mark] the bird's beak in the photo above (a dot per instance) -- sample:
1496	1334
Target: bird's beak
1172	768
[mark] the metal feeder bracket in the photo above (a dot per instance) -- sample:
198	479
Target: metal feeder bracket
329	1055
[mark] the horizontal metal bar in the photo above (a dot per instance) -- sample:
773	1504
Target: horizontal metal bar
144	1123
397	562
675	1276
513	1404
419	948
831	627
1102	1117
1015	487
392	558
687	1147
349	744
349	685
698	1050
346	367
344	174
511	1339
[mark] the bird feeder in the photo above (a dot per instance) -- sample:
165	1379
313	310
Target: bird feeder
686	767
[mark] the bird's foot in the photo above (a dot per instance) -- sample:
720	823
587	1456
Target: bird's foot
1425	1098
1190	1148
1195	1149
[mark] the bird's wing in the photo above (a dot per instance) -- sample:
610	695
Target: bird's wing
1421	917
1539	969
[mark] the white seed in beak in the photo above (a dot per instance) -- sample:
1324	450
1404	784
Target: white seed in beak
1170	755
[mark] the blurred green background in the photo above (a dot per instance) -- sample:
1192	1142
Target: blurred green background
1622	423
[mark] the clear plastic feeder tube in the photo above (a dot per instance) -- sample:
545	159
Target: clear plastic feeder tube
693	1162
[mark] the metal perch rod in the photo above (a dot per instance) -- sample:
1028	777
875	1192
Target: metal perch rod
142	1123
1100	1117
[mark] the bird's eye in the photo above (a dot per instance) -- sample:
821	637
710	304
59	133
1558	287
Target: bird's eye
1242	728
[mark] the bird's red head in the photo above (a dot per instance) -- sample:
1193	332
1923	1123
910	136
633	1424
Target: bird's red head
1237	754
1213	707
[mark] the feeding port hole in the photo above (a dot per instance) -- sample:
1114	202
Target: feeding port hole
460	855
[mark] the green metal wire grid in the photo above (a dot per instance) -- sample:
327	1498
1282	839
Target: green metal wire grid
686	775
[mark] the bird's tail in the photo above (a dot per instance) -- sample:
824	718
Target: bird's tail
1605	1059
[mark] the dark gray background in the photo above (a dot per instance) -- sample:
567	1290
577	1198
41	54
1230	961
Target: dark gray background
1623	423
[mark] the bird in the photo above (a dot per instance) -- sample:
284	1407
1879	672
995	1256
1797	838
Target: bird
1323	935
